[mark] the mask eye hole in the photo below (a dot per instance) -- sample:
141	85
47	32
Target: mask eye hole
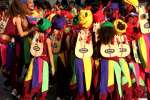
40	41
86	14
143	16
37	40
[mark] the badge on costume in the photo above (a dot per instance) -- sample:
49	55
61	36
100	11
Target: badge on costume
37	44
123	46
109	50
84	47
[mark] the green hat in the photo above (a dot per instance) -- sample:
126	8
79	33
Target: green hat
44	24
107	24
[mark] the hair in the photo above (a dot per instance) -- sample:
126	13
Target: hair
43	5
106	34
17	8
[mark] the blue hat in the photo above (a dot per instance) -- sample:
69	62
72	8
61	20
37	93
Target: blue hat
59	22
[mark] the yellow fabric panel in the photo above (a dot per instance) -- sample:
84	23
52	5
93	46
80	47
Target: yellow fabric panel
30	70
110	73
87	72
142	45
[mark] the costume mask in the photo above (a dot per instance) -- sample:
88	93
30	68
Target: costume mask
85	18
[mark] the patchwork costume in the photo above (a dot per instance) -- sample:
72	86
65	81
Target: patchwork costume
83	52
37	78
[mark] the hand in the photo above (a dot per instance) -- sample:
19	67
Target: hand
34	28
53	71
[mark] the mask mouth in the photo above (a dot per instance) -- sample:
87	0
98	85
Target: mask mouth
143	16
36	48
147	25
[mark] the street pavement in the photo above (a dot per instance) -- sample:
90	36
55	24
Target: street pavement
4	92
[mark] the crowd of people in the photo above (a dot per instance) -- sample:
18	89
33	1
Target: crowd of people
92	50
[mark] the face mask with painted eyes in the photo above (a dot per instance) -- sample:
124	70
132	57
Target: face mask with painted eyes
37	44
85	18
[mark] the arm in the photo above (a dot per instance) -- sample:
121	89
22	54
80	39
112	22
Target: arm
50	54
19	28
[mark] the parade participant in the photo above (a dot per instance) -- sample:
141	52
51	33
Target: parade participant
123	55
4	38
113	63
107	59
71	54
59	46
18	29
84	52
143	41
99	19
37	79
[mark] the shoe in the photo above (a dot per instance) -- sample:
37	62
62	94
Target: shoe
14	92
58	98
18	96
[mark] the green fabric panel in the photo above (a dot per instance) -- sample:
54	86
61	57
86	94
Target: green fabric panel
55	59
72	58
125	69
131	65
26	46
118	77
124	80
45	79
133	81
142	83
